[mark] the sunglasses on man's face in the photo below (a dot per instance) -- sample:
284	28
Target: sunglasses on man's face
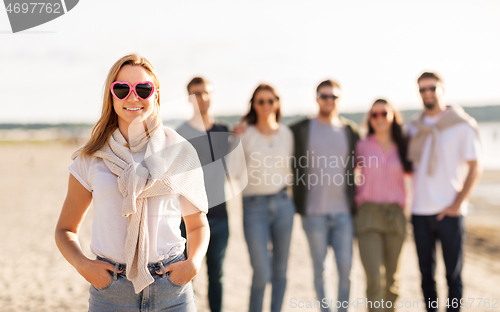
423	90
374	115
143	89
262	102
328	96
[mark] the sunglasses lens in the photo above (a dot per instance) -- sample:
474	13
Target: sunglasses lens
376	114
144	90
433	89
121	90
327	96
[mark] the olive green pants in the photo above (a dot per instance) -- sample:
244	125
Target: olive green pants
381	230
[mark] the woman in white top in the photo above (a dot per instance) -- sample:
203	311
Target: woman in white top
267	210
142	178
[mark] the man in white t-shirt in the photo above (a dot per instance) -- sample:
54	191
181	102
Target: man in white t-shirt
445	149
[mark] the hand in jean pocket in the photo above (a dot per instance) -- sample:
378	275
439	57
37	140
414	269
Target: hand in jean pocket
96	272
181	272
450	211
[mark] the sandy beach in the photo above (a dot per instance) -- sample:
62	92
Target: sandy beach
35	276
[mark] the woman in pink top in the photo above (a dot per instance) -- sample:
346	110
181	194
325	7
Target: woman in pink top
380	197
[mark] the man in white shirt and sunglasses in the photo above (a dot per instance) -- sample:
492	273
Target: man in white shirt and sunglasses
445	151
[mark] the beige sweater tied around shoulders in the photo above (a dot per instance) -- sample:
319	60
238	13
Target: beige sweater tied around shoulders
452	116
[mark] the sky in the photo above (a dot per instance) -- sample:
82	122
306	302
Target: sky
56	71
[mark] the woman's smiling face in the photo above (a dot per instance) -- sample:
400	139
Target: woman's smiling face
133	107
381	117
265	103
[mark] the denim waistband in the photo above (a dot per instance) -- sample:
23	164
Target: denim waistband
283	190
120	268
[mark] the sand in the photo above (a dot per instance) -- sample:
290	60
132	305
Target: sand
35	277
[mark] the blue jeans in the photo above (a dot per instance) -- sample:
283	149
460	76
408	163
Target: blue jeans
451	232
268	218
336	231
162	295
216	252
219	234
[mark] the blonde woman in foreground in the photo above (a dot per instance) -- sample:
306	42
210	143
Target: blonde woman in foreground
138	203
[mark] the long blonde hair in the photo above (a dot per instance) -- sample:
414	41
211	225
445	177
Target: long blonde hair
108	122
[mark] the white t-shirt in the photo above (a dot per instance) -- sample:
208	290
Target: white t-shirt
267	161
109	227
455	146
